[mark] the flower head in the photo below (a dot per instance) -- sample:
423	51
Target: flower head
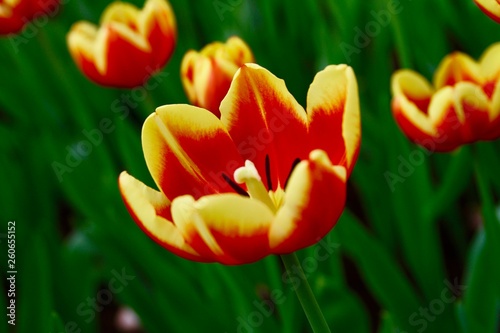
462	106
206	75
490	8
265	178
128	47
15	14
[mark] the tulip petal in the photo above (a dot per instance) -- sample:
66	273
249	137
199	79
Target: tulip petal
120	12
188	151
473	108
266	123
157	23
99	53
489	62
115	39
212	83
11	15
457	67
412	95
490	8
151	211
490	66
334	118
314	200
15	14
227	228
447	120
188	75
490	69
207	75
237	51
493	131
7	8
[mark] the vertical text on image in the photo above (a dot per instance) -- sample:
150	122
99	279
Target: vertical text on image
11	272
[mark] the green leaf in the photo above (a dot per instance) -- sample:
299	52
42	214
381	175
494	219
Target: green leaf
34	296
57	324
481	306
380	270
456	177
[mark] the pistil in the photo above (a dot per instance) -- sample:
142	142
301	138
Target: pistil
249	175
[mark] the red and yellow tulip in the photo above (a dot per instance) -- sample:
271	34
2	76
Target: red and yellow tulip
128	47
206	75
462	106
15	14
490	8
265	178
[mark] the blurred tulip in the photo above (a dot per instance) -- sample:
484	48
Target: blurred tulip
15	14
206	75
490	8
266	178
128	47
462	107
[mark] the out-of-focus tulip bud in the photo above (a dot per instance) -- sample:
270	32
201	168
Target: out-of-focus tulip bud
15	14
129	46
462	106
207	75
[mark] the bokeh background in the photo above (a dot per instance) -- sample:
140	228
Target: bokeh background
406	256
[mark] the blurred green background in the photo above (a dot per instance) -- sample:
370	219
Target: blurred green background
406	256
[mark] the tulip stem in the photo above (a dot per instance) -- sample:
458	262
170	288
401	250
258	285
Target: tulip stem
305	294
490	220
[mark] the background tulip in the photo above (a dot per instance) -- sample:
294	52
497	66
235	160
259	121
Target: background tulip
462	107
206	75
15	14
128	47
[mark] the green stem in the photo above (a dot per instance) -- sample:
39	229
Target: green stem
455	179
490	220
305	295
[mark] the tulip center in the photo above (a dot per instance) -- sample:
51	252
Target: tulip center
277	197
249	175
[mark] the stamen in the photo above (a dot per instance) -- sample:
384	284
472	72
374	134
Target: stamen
237	188
249	171
268	173
294	164
249	175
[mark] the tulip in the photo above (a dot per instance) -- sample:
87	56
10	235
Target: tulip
462	106
490	8
15	14
266	178
206	75
129	46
